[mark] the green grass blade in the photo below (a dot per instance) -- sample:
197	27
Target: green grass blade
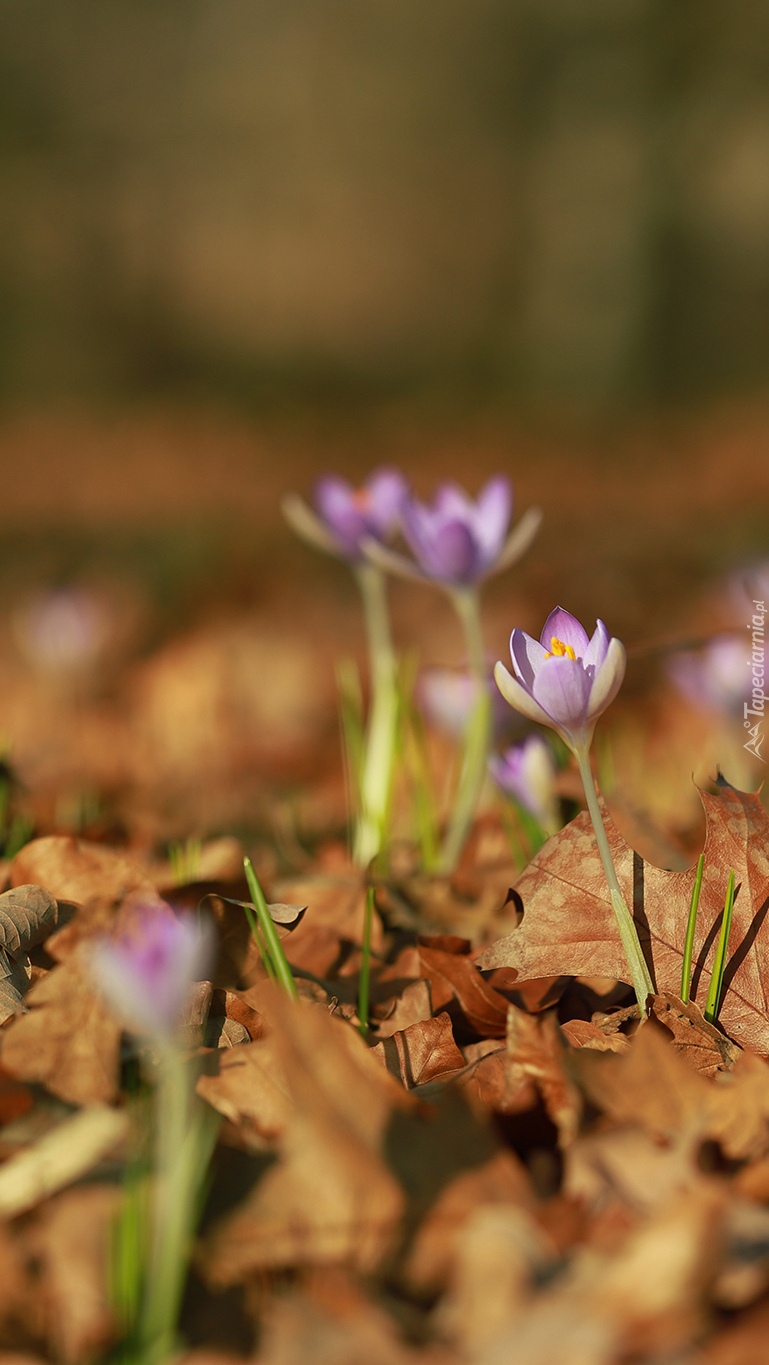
365	966
686	971
272	943
260	943
717	978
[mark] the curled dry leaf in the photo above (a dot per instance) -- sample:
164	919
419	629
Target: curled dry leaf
584	1033
569	926
453	976
412	1006
329	1198
702	1045
425	1051
69	1040
535	1052
27	917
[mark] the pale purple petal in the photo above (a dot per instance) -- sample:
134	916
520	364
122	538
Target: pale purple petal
518	697
561	625
387	489
492	517
562	689
608	680
452	501
335	501
145	974
598	647
455	553
526	771
527	655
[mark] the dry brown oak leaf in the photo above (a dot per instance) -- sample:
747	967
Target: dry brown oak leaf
27	916
99	880
568	923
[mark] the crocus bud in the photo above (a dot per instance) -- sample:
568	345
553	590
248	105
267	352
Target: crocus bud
146	973
565	679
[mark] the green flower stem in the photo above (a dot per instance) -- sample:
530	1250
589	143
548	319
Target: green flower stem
185	1134
639	972
478	738
379	753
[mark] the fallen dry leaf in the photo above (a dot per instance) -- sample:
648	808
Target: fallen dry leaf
68	1151
27	916
71	1242
535	1052
584	1033
498	1254
654	1087
453	976
97	879
412	1006
568	923
69	1040
499	1182
329	1198
336	907
332	1323
702	1045
425	1051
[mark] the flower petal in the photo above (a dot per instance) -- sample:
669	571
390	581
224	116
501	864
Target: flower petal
561	625
518	697
491	517
334	499
455	553
387	489
562	689
519	540
608	679
527	655
598	647
308	525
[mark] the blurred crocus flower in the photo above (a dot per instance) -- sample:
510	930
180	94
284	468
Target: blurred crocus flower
526	771
345	516
458	541
146	974
448	698
565	679
63	629
715	678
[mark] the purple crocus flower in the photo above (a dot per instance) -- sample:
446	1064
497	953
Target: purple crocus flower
526	771
146	974
715	678
564	679
448	698
457	541
345	516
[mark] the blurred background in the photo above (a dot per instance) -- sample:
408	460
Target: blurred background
243	243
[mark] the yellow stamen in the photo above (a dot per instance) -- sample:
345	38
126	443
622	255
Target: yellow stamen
561	650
